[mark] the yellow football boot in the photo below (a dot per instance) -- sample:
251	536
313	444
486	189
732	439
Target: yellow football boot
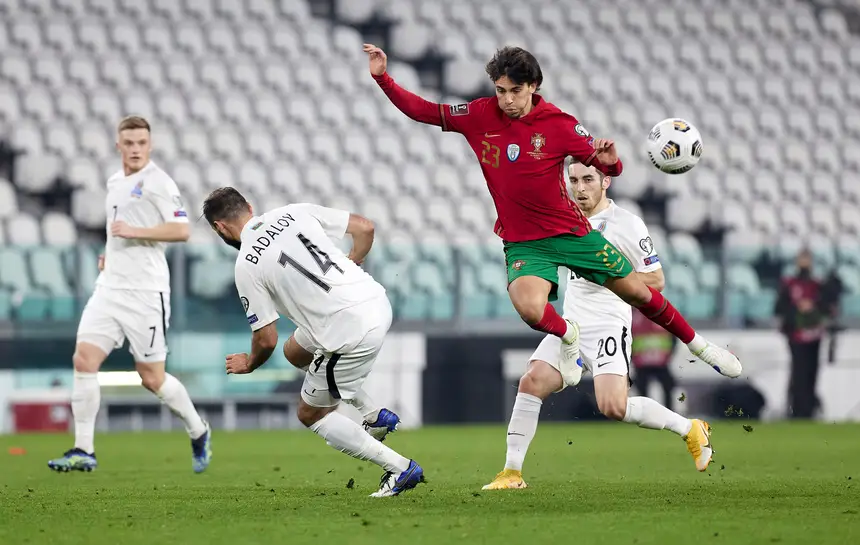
507	478
699	444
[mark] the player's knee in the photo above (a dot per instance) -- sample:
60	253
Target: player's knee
540	383
531	311
632	291
613	408
309	415
84	362
151	379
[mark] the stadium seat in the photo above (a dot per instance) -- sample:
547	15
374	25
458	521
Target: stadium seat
61	139
733	215
849	219
38	103
194	144
794	219
742	279
686	214
26	34
37	174
823	220
13	273
23	230
682	279
59	35
794	187
8	199
95	141
685	249
227	144
46	265
125	38
71	104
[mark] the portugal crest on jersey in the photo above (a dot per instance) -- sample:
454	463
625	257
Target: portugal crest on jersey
513	152
538	142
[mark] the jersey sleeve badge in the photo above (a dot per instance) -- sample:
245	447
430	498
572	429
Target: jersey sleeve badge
459	109
647	245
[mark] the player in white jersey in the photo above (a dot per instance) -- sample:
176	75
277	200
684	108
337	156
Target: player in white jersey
288	266
604	341
132	297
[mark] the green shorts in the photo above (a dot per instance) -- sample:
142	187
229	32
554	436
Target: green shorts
591	257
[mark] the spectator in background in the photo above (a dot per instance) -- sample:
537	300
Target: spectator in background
806	309
651	352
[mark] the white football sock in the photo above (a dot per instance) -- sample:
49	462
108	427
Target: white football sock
697	343
522	428
568	333
174	395
343	434
365	405
647	413
86	398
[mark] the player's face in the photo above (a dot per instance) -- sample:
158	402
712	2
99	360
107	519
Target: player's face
134	147
515	99
589	186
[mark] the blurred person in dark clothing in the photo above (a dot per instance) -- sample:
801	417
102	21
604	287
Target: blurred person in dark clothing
806	308
650	354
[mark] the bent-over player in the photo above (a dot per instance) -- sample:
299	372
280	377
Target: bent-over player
287	265
132	297
604	340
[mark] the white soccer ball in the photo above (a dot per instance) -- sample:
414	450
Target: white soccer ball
674	146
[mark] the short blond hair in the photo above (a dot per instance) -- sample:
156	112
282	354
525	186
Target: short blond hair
133	122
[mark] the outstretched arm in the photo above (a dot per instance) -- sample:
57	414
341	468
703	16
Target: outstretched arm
412	105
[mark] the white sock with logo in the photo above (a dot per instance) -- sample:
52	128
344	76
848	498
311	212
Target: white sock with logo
522	429
343	434
647	413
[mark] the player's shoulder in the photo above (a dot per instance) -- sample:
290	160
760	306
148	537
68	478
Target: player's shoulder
624	215
158	175
117	176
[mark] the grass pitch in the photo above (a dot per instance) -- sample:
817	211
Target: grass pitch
780	484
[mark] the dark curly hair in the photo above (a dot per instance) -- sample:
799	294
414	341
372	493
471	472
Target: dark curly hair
519	65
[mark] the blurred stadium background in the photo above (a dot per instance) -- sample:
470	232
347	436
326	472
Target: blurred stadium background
274	97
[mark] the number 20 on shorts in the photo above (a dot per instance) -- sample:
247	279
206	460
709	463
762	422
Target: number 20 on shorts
490	154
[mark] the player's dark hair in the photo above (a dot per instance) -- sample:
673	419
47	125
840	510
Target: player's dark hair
519	65
225	203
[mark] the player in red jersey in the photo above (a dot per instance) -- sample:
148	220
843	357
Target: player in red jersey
522	141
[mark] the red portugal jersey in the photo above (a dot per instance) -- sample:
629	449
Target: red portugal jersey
522	159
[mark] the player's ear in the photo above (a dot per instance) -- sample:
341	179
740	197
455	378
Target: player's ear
532	87
606	182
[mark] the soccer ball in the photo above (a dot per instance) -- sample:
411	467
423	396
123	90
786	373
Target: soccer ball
674	146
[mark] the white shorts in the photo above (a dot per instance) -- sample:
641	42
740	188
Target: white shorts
604	348
333	376
112	316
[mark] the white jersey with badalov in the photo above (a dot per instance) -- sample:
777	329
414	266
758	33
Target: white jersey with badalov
147	198
587	302
288	266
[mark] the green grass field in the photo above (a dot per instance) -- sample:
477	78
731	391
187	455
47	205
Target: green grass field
777	484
